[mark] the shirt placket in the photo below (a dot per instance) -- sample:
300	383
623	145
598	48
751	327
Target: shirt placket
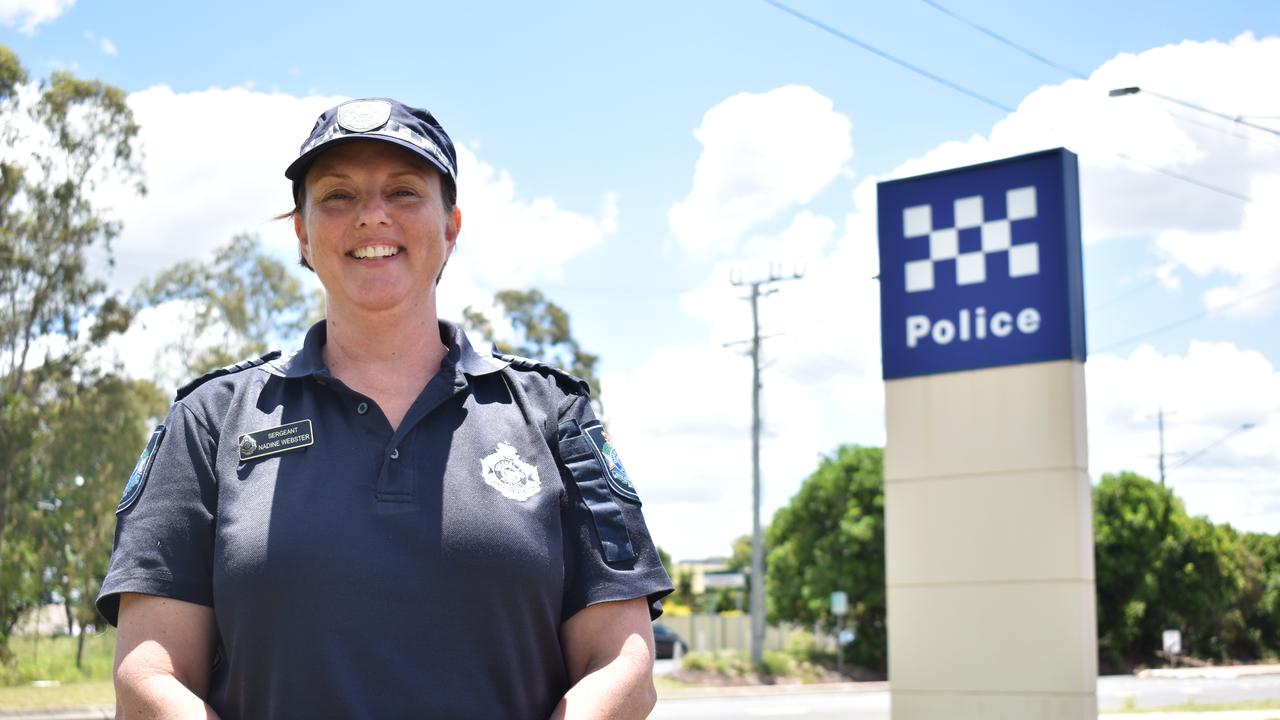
397	478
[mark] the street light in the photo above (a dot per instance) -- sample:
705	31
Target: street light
1237	119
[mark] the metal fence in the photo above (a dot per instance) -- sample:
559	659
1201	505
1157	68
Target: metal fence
710	633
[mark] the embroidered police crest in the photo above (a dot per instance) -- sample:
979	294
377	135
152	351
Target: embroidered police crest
504	471
617	475
138	478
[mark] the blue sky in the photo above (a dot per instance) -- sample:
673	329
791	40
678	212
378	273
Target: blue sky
581	124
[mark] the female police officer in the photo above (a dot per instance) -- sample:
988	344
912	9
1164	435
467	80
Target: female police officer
385	523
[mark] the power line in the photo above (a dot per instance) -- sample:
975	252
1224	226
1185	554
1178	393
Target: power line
1237	119
1127	293
1185	178
1189	319
1002	39
1224	131
891	58
983	98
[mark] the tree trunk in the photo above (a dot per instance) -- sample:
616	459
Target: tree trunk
80	649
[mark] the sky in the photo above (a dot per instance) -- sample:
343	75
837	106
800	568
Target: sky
628	159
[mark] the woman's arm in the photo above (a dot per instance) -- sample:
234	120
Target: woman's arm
164	655
608	650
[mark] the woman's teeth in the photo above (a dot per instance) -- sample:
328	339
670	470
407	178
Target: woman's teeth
377	251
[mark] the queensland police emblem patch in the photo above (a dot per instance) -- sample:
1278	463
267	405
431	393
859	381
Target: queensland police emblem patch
619	480
504	471
138	478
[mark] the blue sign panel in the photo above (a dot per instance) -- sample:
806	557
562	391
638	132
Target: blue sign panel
980	266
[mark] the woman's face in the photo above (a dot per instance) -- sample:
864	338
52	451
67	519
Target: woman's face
374	228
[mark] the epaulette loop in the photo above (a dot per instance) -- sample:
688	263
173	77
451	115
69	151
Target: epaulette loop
523	363
186	390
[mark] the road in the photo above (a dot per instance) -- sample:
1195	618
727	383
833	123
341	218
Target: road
1113	692
819	706
1164	692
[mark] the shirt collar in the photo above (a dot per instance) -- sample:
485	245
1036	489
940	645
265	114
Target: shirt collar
471	362
309	361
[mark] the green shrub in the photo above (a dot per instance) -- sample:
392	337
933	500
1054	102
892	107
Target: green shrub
696	661
779	664
731	663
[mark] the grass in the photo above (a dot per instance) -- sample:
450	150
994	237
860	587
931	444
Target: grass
1192	707
664	683
25	697
54	658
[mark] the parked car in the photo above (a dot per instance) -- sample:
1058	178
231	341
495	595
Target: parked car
666	641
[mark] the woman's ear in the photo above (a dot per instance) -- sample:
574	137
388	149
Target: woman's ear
304	246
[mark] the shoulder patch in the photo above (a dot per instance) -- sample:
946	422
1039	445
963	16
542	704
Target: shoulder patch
527	365
186	390
607	455
138	478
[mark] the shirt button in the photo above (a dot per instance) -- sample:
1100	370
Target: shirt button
362	408
395	453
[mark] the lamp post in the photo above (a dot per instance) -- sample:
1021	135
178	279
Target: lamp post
1237	119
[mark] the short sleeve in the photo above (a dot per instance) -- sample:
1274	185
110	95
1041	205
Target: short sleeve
609	554
164	526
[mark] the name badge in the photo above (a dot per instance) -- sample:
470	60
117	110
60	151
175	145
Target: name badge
294	436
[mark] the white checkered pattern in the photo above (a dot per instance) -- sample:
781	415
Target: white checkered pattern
971	267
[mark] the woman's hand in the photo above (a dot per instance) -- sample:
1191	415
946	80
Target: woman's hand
164	655
608	651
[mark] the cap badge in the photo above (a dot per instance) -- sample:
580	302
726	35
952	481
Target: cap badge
364	115
504	471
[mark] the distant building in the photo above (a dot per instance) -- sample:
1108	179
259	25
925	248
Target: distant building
699	569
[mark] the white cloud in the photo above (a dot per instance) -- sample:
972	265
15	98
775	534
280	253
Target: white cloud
1199	232
690	450
214	163
509	240
107	46
214	166
761	155
1249	256
27	14
825	364
1207	395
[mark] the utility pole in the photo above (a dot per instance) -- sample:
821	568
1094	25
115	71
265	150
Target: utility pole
1160	425
757	543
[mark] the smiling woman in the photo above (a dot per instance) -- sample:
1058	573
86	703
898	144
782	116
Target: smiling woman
385	523
375	230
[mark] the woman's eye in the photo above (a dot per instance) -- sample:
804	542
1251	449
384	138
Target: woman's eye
337	195
405	192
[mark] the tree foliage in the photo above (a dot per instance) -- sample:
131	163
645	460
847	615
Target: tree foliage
243	303
1159	569
831	537
539	331
74	135
86	446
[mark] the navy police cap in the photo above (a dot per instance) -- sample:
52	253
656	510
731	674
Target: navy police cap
383	119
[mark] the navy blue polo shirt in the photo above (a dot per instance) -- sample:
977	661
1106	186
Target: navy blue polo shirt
355	571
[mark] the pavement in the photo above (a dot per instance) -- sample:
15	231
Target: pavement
106	712
1190	715
89	712
1214	672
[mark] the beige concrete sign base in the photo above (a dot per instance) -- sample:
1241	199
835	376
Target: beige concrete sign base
989	545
